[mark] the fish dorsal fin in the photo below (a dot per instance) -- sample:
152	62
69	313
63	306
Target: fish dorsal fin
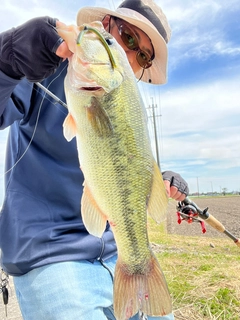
69	128
99	118
93	218
158	201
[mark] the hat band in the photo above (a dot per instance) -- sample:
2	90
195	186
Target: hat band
148	13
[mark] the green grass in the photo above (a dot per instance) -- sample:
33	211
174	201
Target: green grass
204	281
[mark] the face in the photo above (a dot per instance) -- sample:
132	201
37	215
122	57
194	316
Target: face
134	41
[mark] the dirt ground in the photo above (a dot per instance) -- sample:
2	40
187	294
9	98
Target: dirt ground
226	209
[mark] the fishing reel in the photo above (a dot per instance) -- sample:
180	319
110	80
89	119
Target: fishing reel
189	213
188	210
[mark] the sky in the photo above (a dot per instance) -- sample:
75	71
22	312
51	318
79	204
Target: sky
198	110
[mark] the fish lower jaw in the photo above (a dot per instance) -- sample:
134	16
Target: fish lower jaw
98	92
91	88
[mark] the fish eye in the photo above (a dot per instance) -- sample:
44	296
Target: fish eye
109	41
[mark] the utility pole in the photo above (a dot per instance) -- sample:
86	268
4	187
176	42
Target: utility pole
155	133
212	187
197	187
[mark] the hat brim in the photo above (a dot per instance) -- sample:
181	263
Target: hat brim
156	74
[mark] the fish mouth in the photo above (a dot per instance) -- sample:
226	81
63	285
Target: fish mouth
91	88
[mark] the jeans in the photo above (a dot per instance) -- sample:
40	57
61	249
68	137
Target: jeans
73	290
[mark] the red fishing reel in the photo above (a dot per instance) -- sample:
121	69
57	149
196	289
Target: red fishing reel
188	210
189	213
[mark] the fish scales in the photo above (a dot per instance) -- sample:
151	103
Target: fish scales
122	180
128	170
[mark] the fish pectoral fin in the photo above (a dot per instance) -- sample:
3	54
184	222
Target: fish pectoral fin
93	218
147	291
158	200
69	128
99	118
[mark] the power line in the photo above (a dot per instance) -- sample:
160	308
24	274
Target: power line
111	4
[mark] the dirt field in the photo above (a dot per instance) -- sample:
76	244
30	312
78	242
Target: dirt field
225	209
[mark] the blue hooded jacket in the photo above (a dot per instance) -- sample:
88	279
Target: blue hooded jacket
40	220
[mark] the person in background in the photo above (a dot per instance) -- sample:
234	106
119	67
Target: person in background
59	270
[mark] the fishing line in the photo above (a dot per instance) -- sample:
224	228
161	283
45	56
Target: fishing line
141	75
157	94
144	92
161	127
113	5
37	120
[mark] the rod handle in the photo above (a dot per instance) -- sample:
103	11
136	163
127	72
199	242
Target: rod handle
215	223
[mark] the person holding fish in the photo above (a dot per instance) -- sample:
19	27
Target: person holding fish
64	261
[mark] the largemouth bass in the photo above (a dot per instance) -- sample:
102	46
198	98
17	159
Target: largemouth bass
122	180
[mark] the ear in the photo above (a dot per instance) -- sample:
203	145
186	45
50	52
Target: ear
106	21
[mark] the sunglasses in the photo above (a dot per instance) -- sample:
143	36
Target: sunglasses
130	39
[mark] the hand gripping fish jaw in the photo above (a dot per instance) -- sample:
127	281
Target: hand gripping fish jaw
101	38
190	212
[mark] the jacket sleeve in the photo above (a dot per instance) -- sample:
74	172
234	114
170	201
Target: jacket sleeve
15	97
30	50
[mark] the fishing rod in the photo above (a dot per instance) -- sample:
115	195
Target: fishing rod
187	209
51	94
190	212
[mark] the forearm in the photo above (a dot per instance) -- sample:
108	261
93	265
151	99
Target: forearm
26	52
7	86
15	100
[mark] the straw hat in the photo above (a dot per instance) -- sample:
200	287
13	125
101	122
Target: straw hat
139	13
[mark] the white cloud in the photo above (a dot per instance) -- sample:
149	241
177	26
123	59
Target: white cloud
199	126
200	107
201	29
199	130
15	12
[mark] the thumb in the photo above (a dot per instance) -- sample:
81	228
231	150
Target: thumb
63	50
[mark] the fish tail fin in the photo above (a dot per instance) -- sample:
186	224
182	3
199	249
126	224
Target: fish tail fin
137	291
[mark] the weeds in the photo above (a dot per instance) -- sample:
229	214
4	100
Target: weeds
204	281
